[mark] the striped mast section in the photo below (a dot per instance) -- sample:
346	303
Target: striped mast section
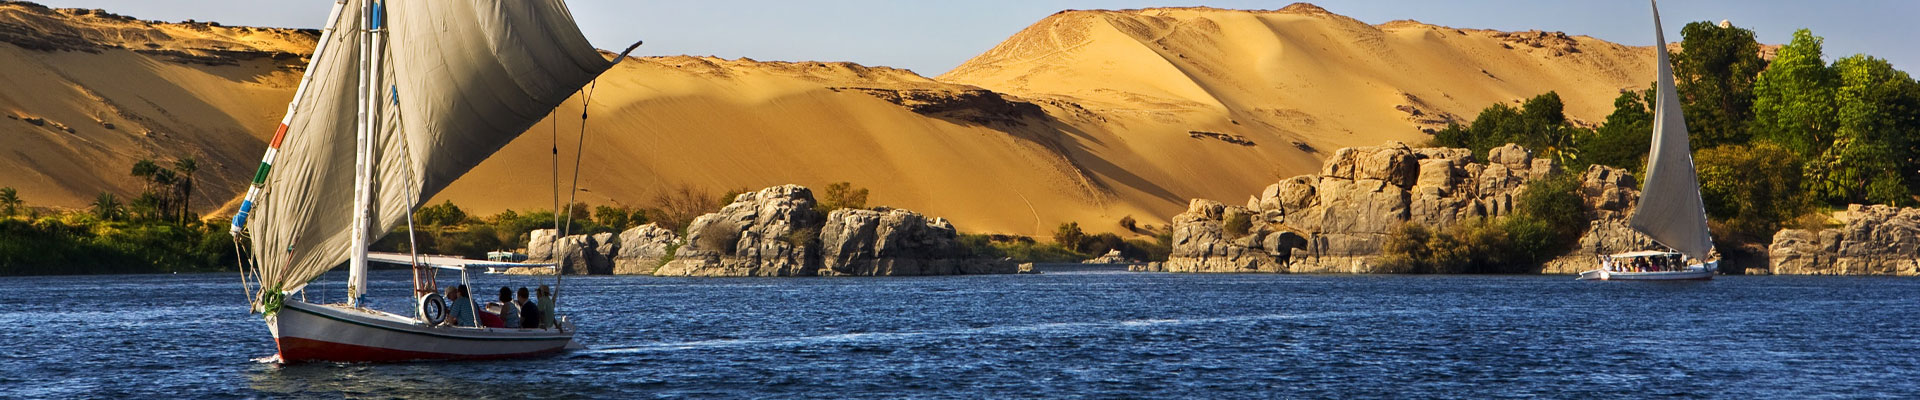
279	135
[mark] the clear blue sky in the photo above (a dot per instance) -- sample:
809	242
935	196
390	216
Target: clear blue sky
931	37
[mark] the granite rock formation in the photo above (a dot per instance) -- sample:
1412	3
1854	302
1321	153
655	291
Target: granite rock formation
762	233
1877	240
895	242
1610	194
777	232
643	249
575	254
1337	221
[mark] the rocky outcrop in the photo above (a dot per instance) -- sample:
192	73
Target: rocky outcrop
895	242
1202	242
979	106
777	232
576	254
1337	221
1877	240
1112	257
643	249
764	233
1610	194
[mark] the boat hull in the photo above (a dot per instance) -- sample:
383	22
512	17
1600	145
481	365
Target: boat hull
310	332
1696	273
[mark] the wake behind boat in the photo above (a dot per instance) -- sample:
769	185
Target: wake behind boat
400	98
1670	211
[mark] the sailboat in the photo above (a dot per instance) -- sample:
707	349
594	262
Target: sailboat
1670	212
399	99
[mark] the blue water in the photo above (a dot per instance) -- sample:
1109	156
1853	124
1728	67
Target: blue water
1082	334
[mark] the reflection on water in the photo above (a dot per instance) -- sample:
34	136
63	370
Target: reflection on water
1083	334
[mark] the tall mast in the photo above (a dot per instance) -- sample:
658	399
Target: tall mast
363	154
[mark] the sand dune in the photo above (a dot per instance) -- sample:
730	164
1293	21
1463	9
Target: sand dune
1086	116
88	93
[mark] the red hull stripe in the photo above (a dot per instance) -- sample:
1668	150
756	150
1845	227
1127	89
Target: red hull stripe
293	349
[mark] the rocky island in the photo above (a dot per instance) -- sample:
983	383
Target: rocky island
1338	220
776	231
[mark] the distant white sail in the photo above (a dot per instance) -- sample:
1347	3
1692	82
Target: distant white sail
461	79
1670	208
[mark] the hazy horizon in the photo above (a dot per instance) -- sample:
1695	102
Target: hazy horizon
931	38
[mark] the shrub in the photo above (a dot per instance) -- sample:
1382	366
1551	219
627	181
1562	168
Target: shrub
841	195
1547	220
718	237
1237	225
1017	248
1069	235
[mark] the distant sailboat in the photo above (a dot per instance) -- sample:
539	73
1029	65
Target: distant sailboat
401	97
1670	211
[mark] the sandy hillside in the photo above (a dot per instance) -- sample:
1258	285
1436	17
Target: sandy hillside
87	93
1086	116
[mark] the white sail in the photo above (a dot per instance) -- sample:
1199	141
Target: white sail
461	79
1670	209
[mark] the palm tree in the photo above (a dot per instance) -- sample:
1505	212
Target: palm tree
107	208
10	200
186	166
165	182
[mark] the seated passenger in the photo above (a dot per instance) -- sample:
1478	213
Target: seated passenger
529	312
509	312
546	307
461	307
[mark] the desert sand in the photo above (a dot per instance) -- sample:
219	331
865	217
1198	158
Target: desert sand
1085	116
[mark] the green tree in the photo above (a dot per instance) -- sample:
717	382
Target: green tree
1624	139
157	200
10	201
443	214
186	167
1793	103
841	195
616	218
1752	189
1539	124
107	208
1715	74
1878	115
1068	235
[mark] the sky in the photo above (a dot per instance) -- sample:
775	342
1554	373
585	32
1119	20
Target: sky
931	37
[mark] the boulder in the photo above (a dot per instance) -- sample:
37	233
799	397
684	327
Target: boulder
1543	168
1511	156
763	233
1393	163
1296	193
1458	156
540	245
1200	243
576	254
1797	252
1876	240
580	255
643	249
1441	173
1112	257
1338	221
894	242
1367	205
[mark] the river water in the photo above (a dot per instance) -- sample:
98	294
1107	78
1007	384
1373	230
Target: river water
1069	334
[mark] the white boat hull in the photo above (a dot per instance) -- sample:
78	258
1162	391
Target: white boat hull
1692	273
312	332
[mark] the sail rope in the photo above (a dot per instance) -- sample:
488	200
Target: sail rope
573	191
